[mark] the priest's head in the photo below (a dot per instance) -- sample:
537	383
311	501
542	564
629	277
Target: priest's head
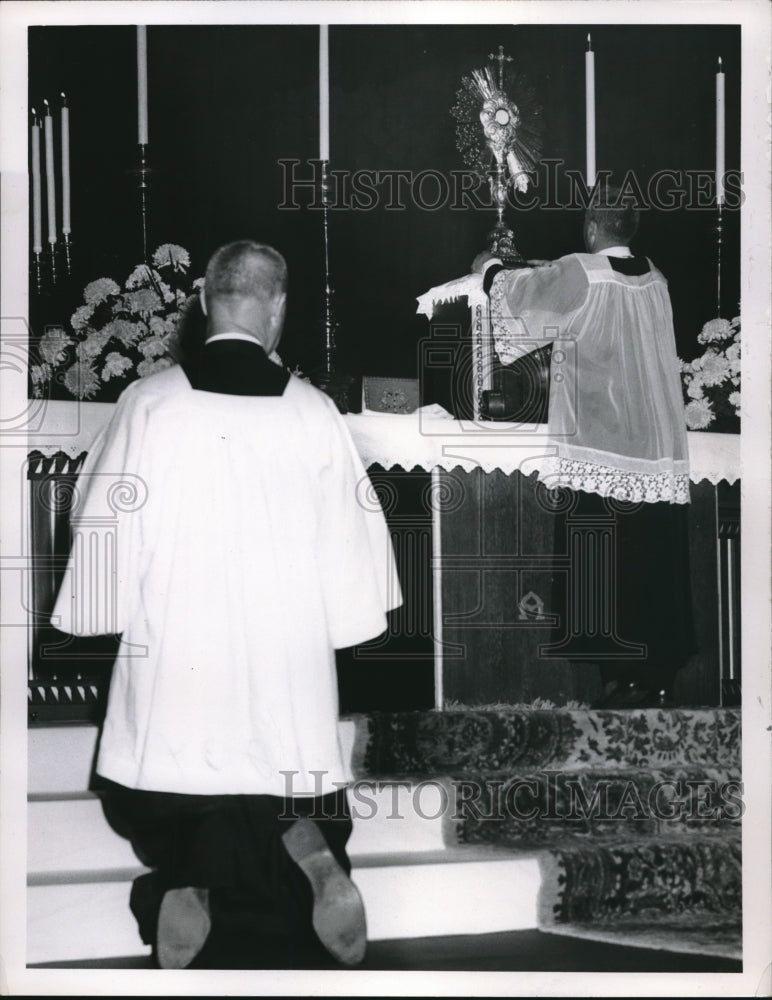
611	220
245	291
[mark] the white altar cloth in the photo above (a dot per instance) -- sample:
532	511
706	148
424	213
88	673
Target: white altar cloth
417	440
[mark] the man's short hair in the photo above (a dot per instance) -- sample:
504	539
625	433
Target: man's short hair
245	269
614	213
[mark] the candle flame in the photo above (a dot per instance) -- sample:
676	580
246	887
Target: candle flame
720	65
48	109
589	42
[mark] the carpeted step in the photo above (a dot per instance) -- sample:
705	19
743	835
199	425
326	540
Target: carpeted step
648	885
535	809
474	742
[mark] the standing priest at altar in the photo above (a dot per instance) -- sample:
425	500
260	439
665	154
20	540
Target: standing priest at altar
617	440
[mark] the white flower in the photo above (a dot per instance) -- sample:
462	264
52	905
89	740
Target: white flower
734	400
157	326
115	366
81	316
714	368
699	414
81	380
143	301
149	367
99	290
92	345
123	330
40	375
53	345
715	329
198	283
141	277
172	255
168	295
694	389
733	351
153	347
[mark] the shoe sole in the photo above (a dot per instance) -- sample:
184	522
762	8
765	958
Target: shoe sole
338	914
183	926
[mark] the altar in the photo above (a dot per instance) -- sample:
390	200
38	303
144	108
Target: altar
474	545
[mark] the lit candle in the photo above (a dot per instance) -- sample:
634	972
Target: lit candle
142	85
48	129
324	93
37	224
720	135
65	167
589	106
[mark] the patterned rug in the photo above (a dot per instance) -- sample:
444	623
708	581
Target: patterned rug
682	894
486	742
635	816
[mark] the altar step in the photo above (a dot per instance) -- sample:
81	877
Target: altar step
78	900
426	863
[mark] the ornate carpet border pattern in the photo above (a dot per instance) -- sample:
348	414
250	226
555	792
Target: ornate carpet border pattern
487	742
689	889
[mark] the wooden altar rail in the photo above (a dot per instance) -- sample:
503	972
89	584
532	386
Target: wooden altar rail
474	556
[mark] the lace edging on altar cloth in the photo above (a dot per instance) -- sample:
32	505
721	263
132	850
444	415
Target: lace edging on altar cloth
633	487
470	286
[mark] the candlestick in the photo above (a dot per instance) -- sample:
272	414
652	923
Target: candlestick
324	92
142	174
142	128
37	216
720	134
589	108
66	222
48	128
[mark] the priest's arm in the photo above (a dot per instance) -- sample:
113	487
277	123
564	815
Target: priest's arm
532	307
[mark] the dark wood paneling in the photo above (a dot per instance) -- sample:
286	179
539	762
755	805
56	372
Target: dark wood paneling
498	546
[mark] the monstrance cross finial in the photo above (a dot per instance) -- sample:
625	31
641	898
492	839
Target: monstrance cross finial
500	59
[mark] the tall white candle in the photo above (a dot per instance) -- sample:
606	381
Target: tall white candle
48	129
142	132
720	134
37	216
589	107
66	228
324	93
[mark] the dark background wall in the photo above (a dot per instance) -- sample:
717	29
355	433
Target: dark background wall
227	103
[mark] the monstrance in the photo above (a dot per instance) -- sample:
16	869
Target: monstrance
498	134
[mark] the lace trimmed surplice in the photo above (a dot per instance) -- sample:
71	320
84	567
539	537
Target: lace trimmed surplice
616	412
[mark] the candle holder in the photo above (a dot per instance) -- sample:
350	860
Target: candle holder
719	243
336	385
37	271
142	174
329	321
67	250
51	256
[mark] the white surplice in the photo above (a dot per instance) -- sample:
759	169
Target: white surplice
616	412
234	542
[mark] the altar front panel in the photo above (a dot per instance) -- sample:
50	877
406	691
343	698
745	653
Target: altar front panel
500	559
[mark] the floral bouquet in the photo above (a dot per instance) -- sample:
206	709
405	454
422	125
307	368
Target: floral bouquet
118	335
711	382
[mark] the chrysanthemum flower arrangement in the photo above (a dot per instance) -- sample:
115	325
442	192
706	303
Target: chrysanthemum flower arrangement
118	335
711	382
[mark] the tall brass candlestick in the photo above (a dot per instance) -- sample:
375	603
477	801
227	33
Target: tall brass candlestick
329	322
